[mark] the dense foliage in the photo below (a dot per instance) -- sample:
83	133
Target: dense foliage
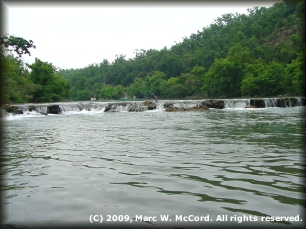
49	86
36	82
17	44
258	54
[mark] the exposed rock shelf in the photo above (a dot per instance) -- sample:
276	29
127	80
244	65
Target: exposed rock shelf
140	106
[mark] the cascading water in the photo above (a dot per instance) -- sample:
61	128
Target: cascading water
87	107
121	107
70	107
236	103
299	102
160	106
270	102
42	109
289	103
185	104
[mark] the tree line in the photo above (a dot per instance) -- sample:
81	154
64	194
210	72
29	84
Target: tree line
37	82
260	53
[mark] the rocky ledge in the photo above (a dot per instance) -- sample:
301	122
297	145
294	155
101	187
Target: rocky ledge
169	107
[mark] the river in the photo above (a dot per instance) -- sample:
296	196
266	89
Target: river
218	167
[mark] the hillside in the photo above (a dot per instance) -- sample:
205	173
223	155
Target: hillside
258	54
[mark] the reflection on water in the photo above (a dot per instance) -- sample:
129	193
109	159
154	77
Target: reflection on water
63	168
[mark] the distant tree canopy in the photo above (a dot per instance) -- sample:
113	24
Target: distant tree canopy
260	53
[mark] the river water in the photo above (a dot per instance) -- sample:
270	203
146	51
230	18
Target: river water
239	165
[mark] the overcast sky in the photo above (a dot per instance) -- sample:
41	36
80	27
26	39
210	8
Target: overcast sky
74	35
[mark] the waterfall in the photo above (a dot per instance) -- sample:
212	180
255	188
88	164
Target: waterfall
185	104
82	106
42	109
70	107
289	103
160	106
236	103
270	102
94	107
122	107
299	102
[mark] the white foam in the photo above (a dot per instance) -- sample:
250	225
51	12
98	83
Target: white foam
26	114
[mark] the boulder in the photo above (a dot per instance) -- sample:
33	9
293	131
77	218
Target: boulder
303	101
12	109
109	107
112	107
172	108
198	107
287	102
150	105
9	108
54	109
167	104
280	103
293	102
257	103
284	102
219	104
31	108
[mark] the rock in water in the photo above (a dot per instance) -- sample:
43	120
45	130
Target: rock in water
150	105
54	109
219	104
12	109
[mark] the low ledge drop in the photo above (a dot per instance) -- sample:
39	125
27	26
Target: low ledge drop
140	106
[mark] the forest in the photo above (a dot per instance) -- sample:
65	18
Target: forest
22	83
258	54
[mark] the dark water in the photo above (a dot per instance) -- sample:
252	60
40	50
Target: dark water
246	163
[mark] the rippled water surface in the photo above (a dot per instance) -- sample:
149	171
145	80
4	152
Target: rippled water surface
233	162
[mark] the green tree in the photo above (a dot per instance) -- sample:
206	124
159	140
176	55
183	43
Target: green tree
119	92
107	92
83	95
218	79
173	88
14	80
197	74
271	37
138	88
263	79
225	75
13	74
52	87
295	75
16	44
154	83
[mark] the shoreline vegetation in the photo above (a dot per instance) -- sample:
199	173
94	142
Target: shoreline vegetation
255	55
